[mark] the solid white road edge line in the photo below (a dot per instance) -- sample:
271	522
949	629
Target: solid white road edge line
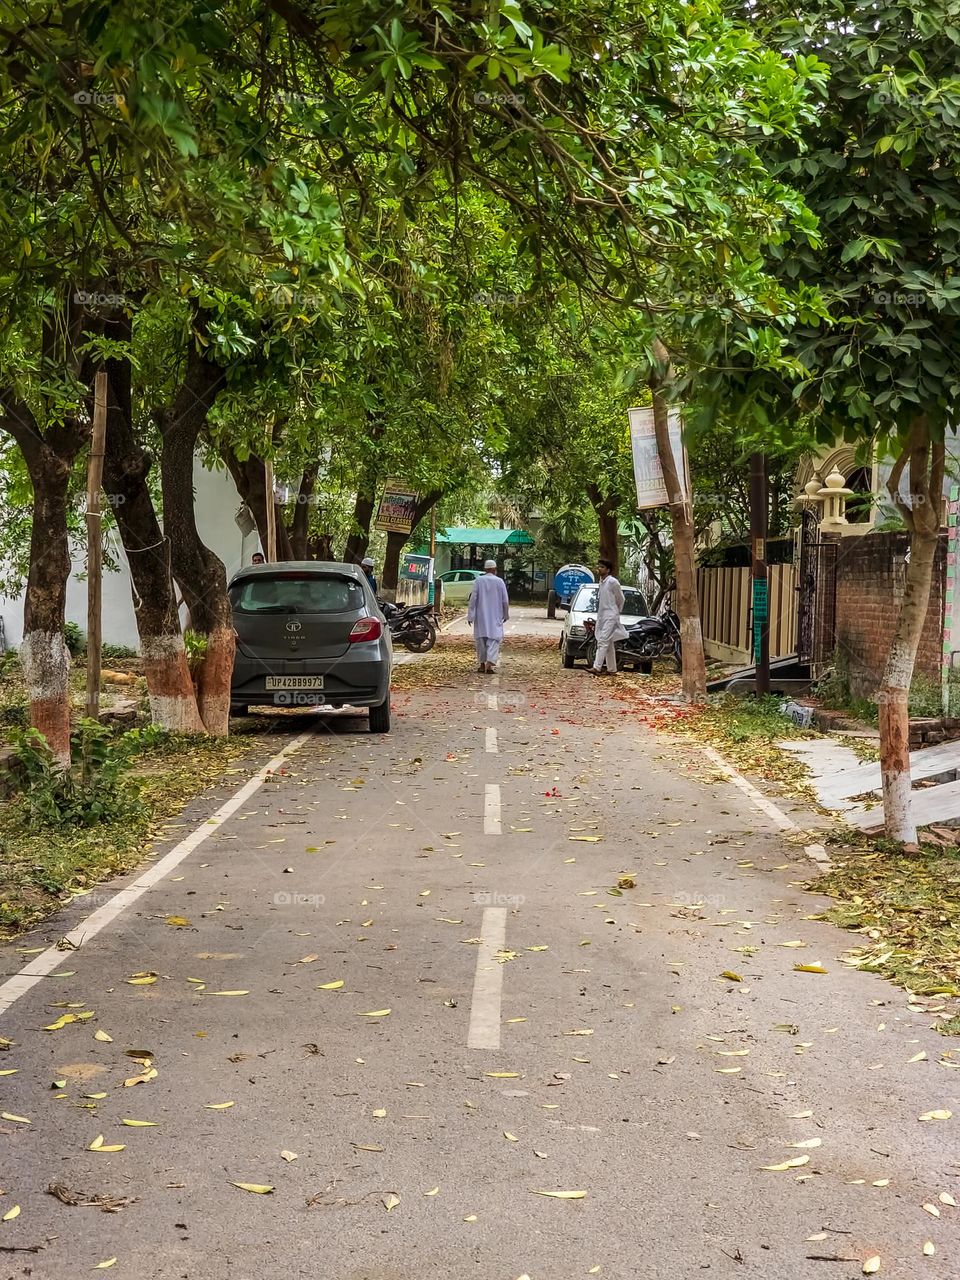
815	852
47	961
492	745
491	809
484	1030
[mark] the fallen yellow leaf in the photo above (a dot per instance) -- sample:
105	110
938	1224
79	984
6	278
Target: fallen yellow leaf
13	1212
432	1192
260	1189
140	1124
871	1266
808	1143
331	986
229	993
936	1115
217	1106
731	976
107	1262
142	979
929	1249
178	922
6	1115
809	968
562	1195
787	1164
103	1037
375	1013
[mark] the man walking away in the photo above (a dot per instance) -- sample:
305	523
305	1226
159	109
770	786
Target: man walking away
488	610
609	628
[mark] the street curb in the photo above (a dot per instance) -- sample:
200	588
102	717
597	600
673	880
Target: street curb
815	852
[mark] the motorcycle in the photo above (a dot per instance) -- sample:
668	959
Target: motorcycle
648	639
411	625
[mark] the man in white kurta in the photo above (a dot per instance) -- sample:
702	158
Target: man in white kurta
609	627
488	610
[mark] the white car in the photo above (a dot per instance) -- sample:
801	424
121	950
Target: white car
574	638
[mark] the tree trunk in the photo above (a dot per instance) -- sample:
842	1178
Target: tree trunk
607	509
200	573
250	478
49	455
43	653
390	576
173	700
694	675
300	524
359	537
922	515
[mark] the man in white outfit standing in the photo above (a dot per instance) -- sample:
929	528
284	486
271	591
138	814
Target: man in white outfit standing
488	610
609	627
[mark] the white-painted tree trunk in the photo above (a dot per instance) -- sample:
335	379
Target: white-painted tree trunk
45	660
173	699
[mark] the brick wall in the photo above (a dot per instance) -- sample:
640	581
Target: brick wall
870	583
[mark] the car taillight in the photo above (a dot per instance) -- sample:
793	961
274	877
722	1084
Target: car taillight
366	629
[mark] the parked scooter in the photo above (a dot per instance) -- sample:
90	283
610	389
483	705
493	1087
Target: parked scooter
411	625
648	639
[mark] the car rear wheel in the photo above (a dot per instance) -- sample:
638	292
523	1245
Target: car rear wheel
551	604
380	717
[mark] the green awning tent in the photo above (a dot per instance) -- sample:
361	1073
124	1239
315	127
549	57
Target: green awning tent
485	537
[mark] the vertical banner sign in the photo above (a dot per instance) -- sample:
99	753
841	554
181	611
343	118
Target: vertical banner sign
949	673
761	608
651	490
416	579
398	507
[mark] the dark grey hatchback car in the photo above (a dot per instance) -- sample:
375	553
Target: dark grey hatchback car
309	634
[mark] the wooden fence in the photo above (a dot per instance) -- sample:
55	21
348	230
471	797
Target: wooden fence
726	615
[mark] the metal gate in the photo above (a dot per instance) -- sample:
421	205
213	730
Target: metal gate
817	589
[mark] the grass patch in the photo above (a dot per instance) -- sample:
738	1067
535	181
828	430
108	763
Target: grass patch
42	868
905	909
746	731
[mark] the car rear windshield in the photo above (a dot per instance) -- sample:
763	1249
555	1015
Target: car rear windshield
634	605
297	593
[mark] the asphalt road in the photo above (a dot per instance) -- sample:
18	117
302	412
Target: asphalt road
506	1025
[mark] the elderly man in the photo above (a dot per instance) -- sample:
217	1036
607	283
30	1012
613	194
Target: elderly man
488	610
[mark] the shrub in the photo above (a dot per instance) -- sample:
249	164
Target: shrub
94	790
75	639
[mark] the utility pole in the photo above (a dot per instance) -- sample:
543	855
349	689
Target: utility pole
270	503
694	677
94	545
761	586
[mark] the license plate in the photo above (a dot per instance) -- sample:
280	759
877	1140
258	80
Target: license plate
294	682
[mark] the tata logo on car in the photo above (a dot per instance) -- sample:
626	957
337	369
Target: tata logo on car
294	626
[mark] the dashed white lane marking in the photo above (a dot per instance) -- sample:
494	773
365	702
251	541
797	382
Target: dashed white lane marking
815	851
491	810
492	702
47	961
492	745
484	1030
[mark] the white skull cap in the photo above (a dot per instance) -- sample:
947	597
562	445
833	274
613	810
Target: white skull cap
489	564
